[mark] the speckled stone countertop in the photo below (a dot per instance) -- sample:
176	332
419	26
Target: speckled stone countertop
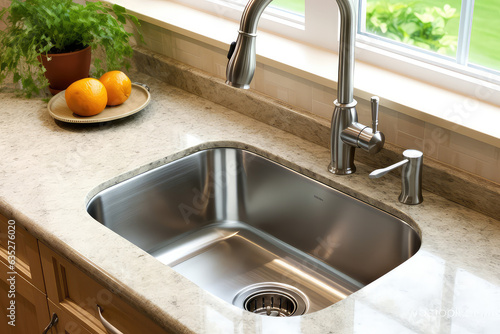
50	169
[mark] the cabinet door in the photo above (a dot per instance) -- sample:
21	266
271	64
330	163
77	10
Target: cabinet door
77	294
30	312
14	238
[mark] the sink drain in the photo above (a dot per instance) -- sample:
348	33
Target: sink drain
271	304
272	299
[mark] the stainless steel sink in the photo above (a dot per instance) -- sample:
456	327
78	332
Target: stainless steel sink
255	233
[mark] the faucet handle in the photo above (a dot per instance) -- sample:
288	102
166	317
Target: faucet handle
375	103
411	176
232	46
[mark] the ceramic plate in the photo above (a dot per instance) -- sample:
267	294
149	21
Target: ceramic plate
138	100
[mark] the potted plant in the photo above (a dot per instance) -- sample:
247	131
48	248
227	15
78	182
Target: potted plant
39	33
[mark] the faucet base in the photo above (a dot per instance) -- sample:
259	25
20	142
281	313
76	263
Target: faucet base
341	171
342	154
232	84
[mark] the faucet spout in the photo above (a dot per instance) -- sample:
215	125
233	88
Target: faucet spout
346	133
241	66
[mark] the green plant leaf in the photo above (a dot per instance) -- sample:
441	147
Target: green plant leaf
410	28
425	17
383	28
118	9
121	18
446	12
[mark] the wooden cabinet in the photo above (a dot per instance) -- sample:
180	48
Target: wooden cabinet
47	283
21	281
13	237
31	312
78	295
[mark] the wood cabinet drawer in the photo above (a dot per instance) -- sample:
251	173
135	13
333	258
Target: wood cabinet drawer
30	312
74	292
66	323
14	238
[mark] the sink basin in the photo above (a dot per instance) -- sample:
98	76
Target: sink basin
255	233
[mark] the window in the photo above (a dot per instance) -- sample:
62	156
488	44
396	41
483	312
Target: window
458	31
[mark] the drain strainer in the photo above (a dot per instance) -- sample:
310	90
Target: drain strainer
271	304
272	299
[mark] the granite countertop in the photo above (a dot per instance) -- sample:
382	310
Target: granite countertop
50	169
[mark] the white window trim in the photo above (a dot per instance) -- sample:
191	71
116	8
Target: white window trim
465	31
461	113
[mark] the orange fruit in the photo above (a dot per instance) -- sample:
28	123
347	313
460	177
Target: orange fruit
117	85
86	97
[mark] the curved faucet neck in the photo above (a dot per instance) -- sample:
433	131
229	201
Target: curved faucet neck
248	29
251	15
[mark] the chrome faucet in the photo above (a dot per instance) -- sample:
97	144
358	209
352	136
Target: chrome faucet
411	176
346	133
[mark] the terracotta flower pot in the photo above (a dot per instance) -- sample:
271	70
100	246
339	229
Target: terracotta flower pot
65	68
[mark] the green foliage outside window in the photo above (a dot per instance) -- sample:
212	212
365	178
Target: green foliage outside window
413	24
